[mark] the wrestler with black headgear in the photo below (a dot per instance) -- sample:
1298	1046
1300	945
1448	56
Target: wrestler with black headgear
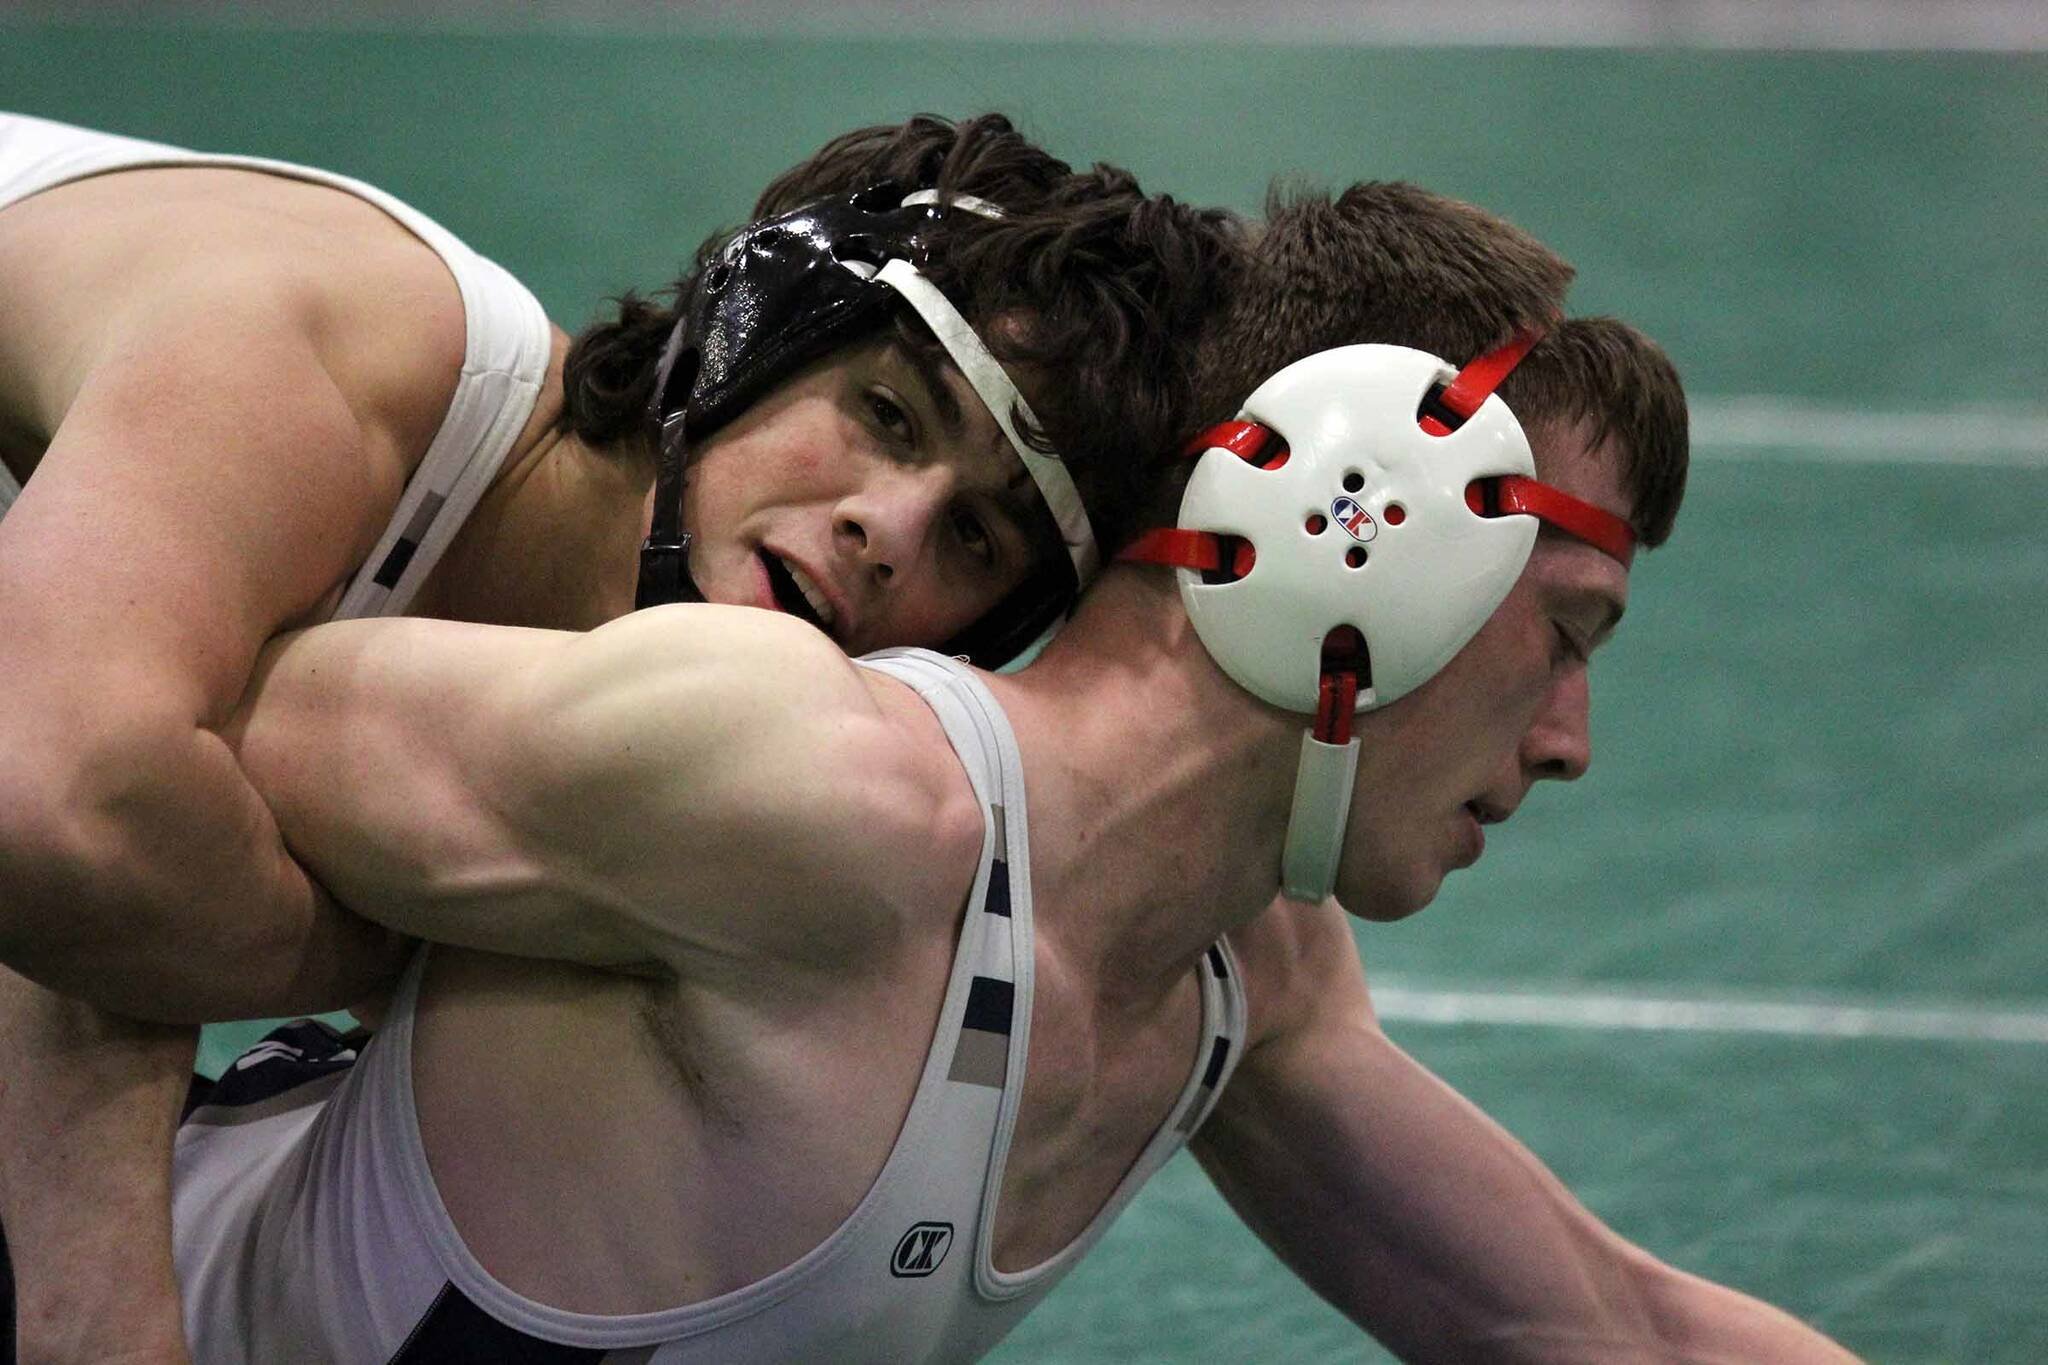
306	400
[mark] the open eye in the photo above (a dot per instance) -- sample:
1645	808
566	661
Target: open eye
890	416
974	535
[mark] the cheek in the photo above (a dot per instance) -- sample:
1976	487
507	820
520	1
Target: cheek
788	457
806	444
707	489
1509	692
936	610
787	470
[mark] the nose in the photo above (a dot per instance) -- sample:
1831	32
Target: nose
1559	743
887	522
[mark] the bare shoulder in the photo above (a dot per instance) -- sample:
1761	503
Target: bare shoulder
255	264
257	364
780	798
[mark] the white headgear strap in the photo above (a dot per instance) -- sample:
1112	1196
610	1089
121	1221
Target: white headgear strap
999	395
967	203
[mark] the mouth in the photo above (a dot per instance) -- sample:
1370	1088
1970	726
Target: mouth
1472	847
1485	813
798	594
1481	812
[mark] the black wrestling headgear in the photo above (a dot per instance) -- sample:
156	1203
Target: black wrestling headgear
788	290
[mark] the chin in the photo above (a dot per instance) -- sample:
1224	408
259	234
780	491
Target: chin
1392	900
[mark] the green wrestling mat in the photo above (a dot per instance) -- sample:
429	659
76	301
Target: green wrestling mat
1767	990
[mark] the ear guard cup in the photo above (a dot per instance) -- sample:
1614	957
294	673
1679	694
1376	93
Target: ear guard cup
1365	525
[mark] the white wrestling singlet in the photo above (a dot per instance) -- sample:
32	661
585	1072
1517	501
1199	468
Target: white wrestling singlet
325	1240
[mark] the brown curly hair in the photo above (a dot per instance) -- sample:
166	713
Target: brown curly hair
1095	289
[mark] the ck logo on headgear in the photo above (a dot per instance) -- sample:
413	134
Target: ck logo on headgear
921	1250
1356	521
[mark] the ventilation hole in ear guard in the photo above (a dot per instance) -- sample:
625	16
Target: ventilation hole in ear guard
1344	651
1346	671
882	198
1394	514
1353	481
1355	556
717	277
863	247
1316	524
1483	497
1276	458
1434	415
1234	559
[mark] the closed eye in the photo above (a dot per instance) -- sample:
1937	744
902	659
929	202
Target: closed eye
1570	646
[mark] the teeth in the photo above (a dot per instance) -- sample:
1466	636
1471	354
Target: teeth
819	603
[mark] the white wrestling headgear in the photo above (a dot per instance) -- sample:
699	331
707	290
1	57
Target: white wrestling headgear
1347	536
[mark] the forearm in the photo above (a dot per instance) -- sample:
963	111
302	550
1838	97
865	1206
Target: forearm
1419	1217
153	882
1713	1326
1700	1321
1461	1248
88	1108
392	754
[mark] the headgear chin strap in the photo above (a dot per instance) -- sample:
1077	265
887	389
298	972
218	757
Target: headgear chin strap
788	290
1347	536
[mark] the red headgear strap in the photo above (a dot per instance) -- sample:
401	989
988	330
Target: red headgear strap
1470	386
1241	438
1596	526
1503	496
1463	396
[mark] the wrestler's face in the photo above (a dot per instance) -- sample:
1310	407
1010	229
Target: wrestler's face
1509	711
871	494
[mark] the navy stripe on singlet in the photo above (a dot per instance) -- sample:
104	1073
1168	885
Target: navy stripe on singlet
394	565
1219	1053
998	901
288	1057
981	1054
457	1332
990	1004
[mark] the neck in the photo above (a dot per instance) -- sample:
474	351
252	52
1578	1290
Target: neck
1159	788
555	541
